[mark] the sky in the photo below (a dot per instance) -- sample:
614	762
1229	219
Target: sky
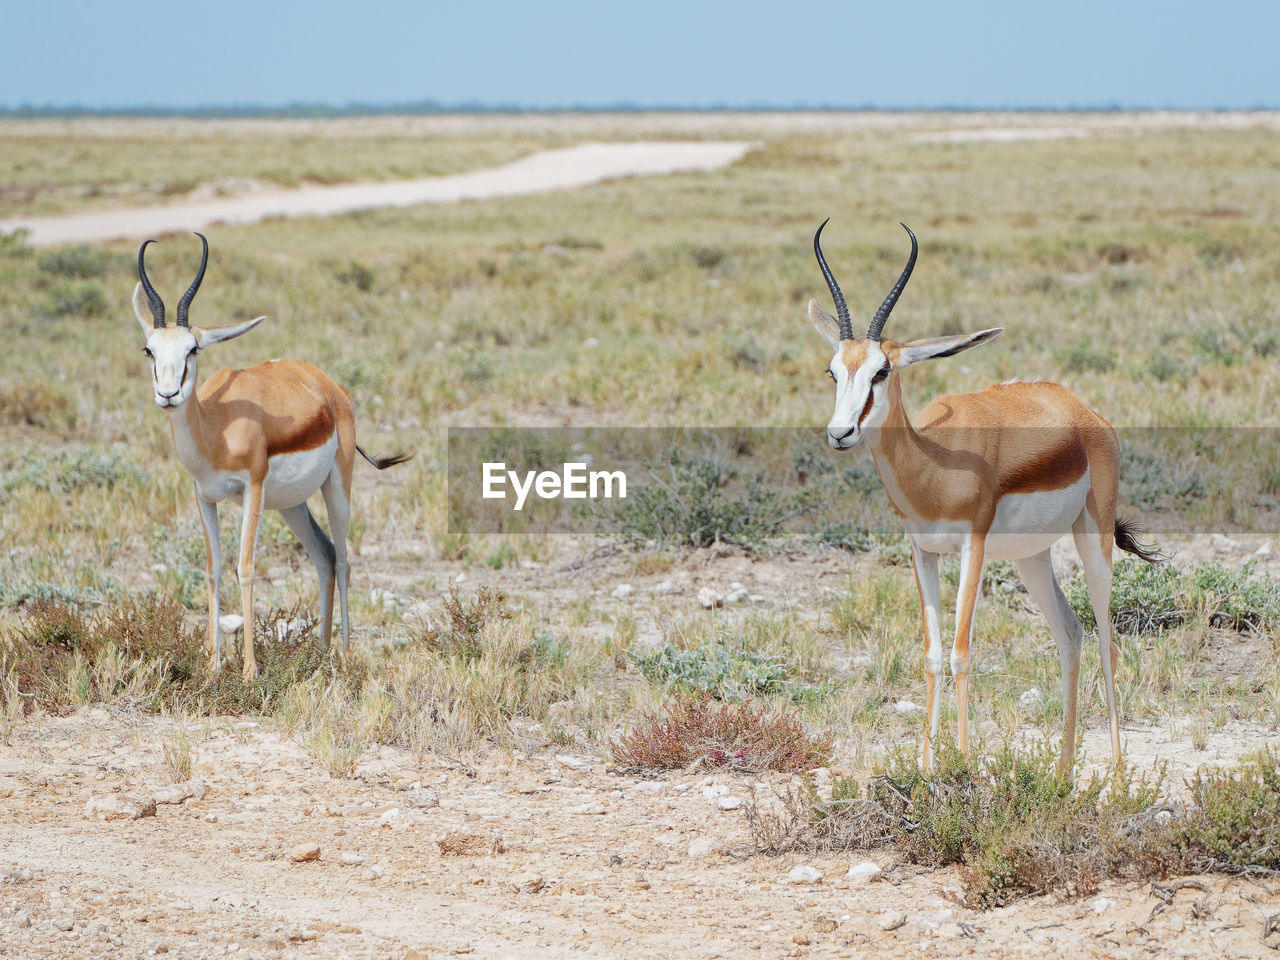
544	54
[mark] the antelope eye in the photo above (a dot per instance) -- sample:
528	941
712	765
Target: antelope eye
831	375
147	351
880	374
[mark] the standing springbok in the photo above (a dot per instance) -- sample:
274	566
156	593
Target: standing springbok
272	435
1002	473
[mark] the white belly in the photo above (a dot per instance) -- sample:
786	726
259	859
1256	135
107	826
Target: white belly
292	477
1025	524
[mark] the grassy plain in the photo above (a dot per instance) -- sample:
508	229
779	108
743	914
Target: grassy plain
1140	266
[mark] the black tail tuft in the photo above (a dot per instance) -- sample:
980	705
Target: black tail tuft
383	462
1127	540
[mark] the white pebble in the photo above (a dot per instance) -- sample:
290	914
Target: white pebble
1031	699
864	871
729	803
231	622
803	873
907	709
700	848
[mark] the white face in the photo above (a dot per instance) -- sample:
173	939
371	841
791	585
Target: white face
172	352
861	371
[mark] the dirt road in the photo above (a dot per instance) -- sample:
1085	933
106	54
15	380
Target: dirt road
540	172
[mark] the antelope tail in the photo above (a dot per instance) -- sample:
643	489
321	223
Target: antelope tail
383	462
1127	540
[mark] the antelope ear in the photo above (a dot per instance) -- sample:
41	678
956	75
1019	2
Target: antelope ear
934	347
827	324
207	335
142	310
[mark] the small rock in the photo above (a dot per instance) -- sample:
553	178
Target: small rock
862	872
231	622
1101	904
708	598
305	852
377	871
16	875
701	848
1031	699
824	925
907	709
350	858
649	788
573	763
1223	544
423	797
666	586
891	920
1264	550
737	594
390	817
528	882
622	590
64	923
119	807
178	792
461	578
728	803
591	809
804	873
715	792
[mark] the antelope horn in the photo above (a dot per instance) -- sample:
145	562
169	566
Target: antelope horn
842	308
157	305
185	303
877	323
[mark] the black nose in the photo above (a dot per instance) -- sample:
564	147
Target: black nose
166	396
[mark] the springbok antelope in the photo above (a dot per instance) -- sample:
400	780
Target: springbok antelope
1002	473
272	435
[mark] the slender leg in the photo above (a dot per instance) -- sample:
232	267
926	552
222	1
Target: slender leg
1037	573
212	572
337	501
248	546
926	566
1096	557
971	557
320	550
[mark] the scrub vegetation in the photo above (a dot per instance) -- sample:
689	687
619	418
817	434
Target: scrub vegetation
1142	270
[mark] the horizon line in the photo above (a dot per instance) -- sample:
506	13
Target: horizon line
357	108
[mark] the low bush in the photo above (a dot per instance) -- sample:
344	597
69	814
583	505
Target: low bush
745	736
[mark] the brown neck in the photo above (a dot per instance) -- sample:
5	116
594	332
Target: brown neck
900	452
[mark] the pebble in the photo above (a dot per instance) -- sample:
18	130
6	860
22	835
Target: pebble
178	792
700	848
350	857
1031	699
737	594
587	808
305	852
390	817
622	590
573	763
864	871
708	598
729	803
231	622
715	792
1102	904
803	873
119	807
891	920
423	797
666	586
1264	550
528	882
907	709
1223	544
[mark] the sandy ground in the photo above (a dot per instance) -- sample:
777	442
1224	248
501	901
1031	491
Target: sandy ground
527	855
540	172
543	851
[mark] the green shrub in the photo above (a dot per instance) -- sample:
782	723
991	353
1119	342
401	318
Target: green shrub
700	502
722	670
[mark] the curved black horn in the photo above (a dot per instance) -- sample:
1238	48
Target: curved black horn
157	305
842	308
877	323
185	303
